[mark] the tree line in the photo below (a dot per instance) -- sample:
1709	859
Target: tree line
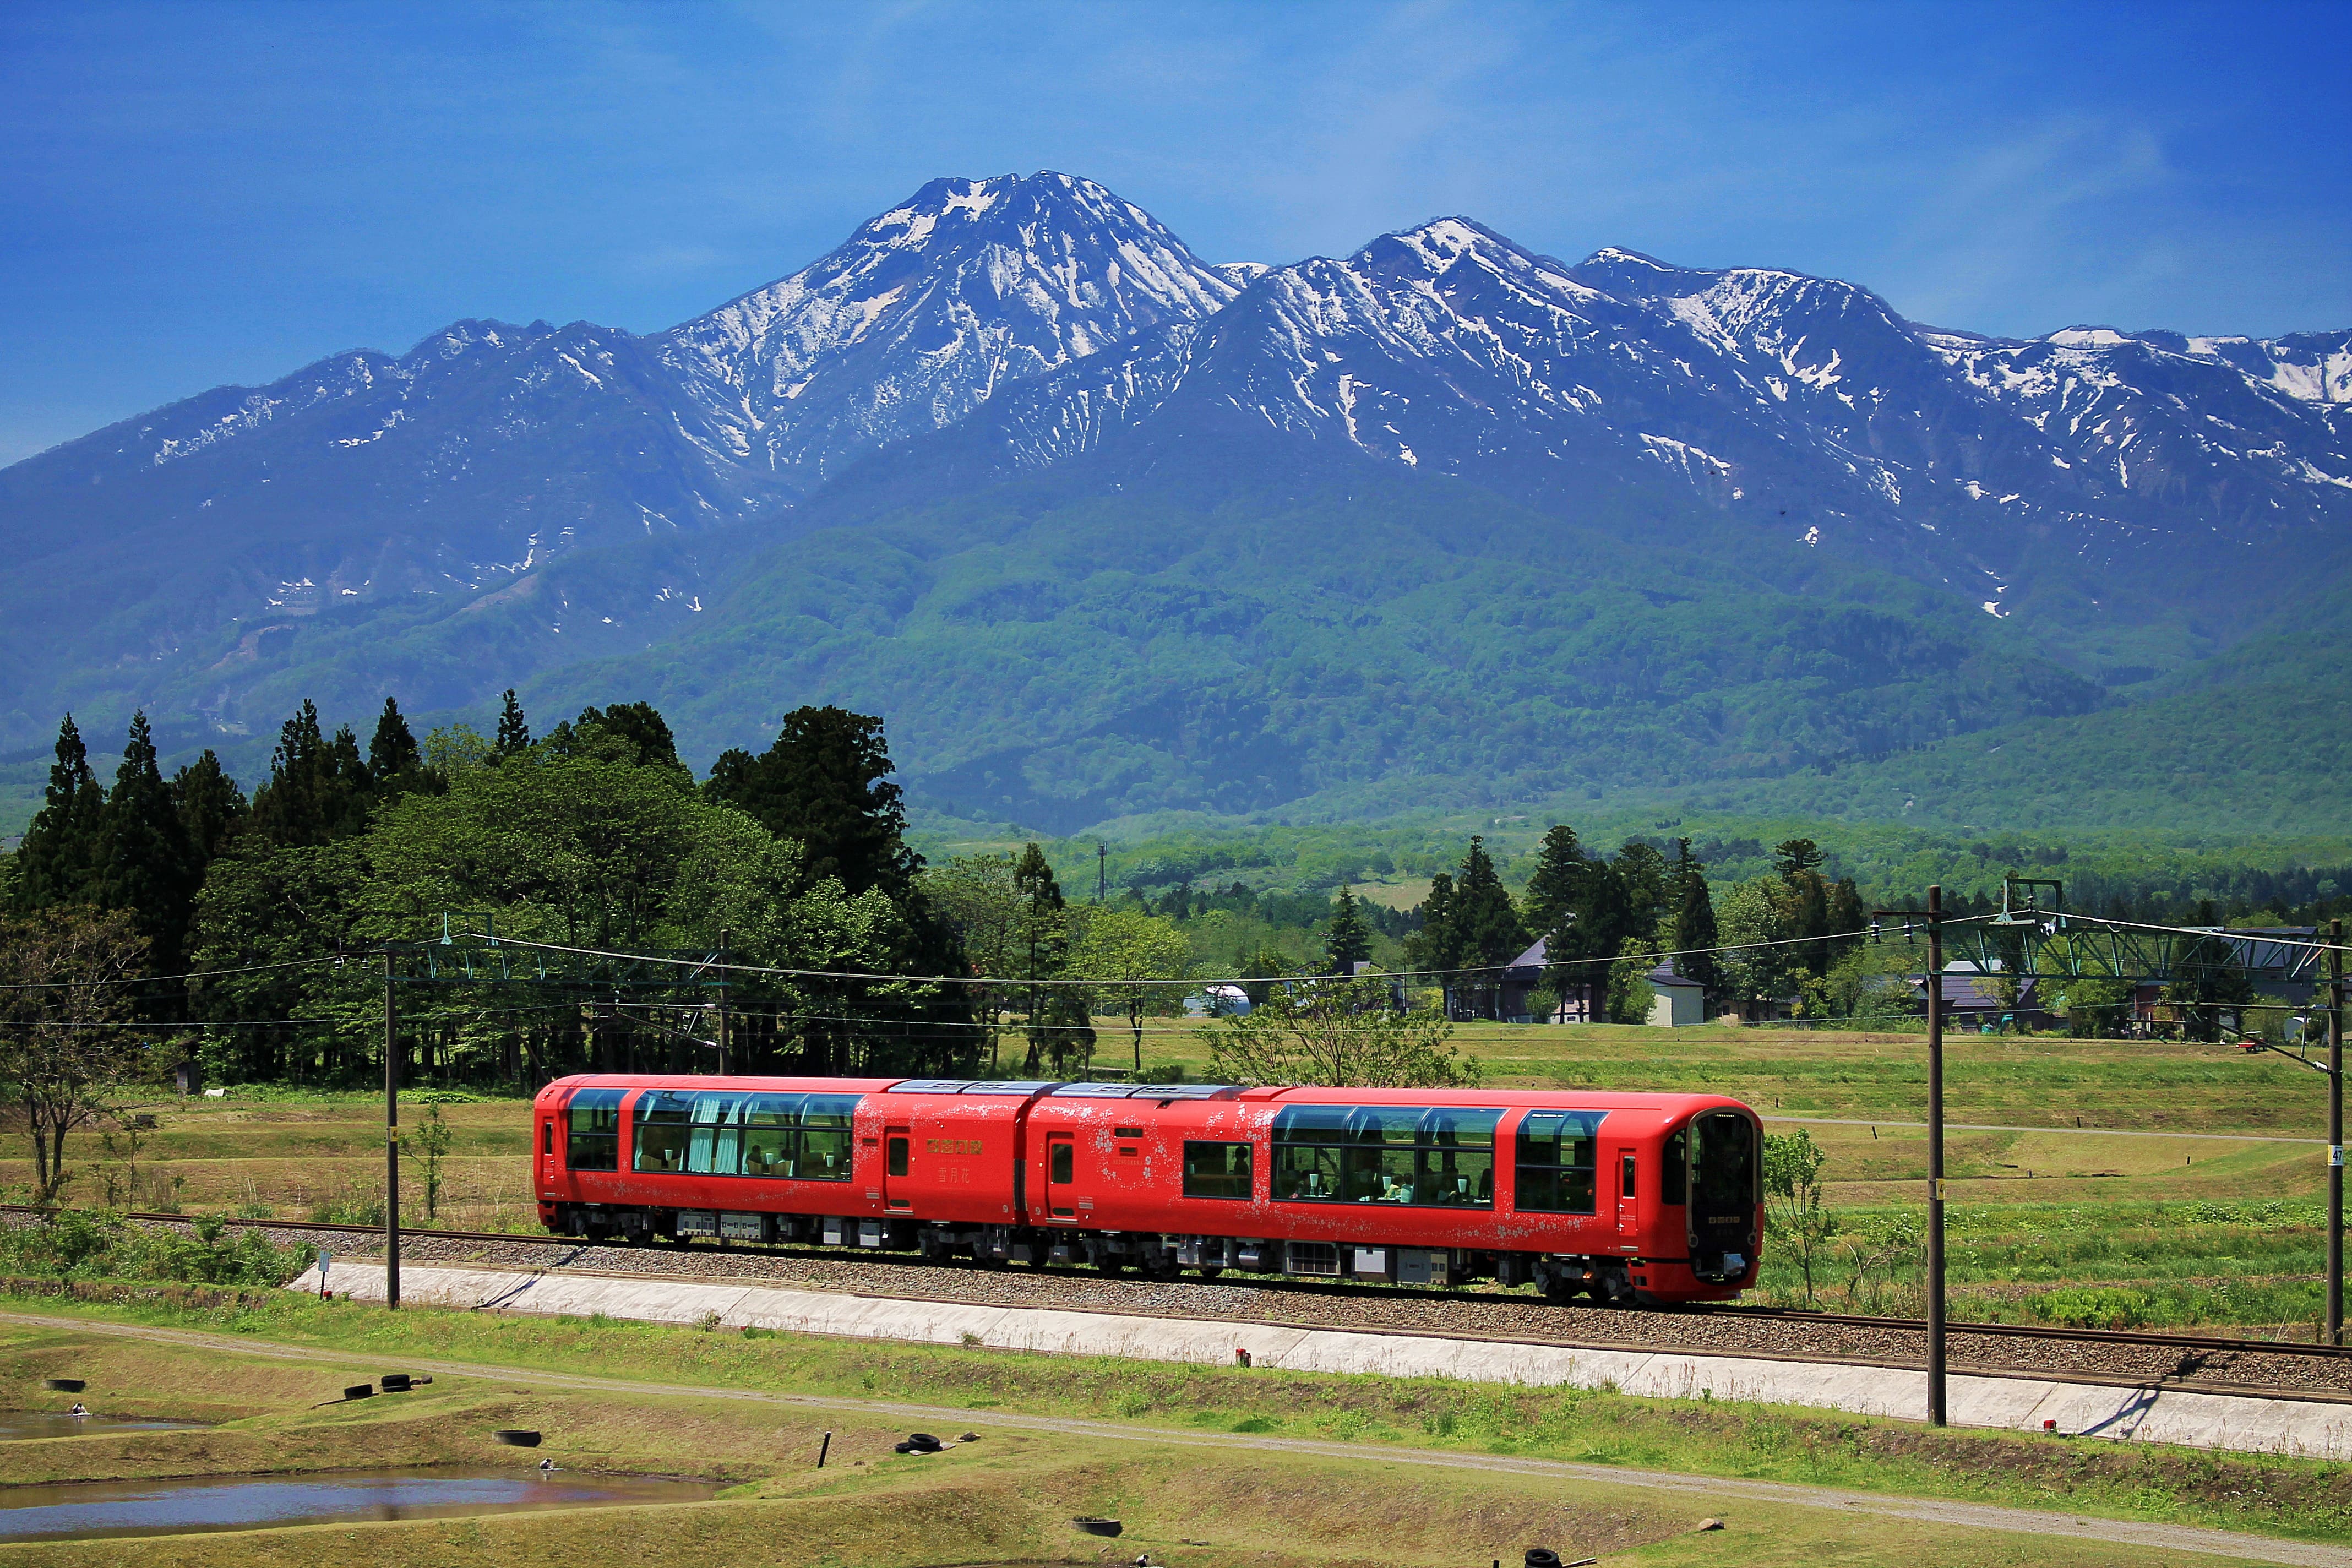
1606	922
595	835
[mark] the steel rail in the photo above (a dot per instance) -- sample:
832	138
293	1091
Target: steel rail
1731	1313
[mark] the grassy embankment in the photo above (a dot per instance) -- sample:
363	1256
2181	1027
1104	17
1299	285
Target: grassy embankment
1007	1496
2220	1228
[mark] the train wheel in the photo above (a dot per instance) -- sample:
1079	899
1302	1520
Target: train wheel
1211	1271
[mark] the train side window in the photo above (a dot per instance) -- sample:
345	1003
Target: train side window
1626	1184
547	1136
1557	1162
1421	1156
1674	1171
592	1131
1062	1164
896	1149
822	1149
1216	1170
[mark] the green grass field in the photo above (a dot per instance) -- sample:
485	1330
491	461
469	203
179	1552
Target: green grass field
1194	1467
2215	1219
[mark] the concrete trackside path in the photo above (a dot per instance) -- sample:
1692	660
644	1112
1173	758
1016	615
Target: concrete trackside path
1965	1515
2303	1428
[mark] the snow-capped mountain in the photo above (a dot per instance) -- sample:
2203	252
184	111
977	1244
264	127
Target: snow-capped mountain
925	312
502	498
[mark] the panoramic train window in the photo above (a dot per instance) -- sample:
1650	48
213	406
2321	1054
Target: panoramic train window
803	1137
1385	1155
1557	1160
593	1137
1216	1170
1726	1170
694	1133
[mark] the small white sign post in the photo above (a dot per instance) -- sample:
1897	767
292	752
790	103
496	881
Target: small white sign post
325	1256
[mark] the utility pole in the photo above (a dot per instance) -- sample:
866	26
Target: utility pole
726	1046
1102	872
1936	1156
2334	1335
391	1139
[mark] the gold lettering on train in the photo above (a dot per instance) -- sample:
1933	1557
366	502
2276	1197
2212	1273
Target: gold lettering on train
951	1145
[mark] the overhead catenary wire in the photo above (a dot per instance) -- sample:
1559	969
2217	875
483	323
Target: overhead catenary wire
706	965
161	979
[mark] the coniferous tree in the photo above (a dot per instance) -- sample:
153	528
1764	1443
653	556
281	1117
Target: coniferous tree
514	731
1482	913
1558	886
1695	930
143	860
1054	1025
634	732
393	754
58	856
211	808
318	790
1348	943
1643	871
827	782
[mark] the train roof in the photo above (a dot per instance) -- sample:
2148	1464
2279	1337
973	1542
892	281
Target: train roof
1663	1105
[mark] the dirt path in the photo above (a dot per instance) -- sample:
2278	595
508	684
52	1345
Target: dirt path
1973	1516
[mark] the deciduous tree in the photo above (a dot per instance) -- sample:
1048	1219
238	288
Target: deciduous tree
1341	1033
63	1052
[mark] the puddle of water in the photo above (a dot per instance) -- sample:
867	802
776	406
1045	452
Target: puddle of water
17	1424
84	1511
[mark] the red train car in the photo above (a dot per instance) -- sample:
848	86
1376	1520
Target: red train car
1632	1198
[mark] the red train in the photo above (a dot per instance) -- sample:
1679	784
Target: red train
1631	1198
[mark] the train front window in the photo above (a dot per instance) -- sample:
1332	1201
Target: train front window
592	1131
1558	1162
1674	1171
1724	1170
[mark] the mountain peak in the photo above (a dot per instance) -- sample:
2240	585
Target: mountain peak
927	309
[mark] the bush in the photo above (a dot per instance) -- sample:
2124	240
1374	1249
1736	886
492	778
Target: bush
77	1243
2085	1308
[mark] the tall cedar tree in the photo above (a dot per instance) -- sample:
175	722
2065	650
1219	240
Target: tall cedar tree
514	731
1695	929
1489	927
211	809
1059	1022
1804	902
1348	943
1558	886
318	789
58	856
144	864
827	782
1643	871
395	761
1436	946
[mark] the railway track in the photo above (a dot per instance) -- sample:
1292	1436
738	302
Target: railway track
2272	1368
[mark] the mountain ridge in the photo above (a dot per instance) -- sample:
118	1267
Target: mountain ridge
1039	357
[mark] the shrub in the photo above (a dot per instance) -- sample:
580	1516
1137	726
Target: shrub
2086	1308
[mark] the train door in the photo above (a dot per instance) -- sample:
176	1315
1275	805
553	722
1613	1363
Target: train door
897	1167
1629	1218
546	1157
1061	1176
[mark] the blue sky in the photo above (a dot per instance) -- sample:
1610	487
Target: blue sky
198	193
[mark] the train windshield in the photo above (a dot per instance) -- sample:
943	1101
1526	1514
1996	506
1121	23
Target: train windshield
1723	1172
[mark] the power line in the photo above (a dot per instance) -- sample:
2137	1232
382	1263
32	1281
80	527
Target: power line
159	979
